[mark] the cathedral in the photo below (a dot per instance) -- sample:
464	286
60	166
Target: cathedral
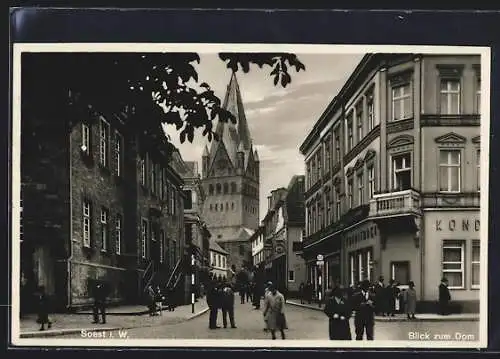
230	177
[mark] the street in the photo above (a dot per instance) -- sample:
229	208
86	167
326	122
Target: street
303	324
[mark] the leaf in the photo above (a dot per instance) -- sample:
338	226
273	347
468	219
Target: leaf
275	71
190	135
276	79
183	136
205	85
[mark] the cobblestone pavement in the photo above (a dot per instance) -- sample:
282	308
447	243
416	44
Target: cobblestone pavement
303	323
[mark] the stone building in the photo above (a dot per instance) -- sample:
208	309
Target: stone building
230	177
101	202
392	177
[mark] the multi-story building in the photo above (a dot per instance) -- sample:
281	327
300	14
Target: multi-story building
274	241
218	260
230	177
392	177
101	202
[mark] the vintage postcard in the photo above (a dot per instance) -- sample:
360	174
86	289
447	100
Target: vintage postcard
238	195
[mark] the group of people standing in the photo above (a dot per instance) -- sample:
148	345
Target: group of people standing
220	296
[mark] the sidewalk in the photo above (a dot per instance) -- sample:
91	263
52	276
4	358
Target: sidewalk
471	317
117	318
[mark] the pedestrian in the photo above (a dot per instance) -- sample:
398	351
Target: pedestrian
242	292
309	292
213	304
151	300
301	292
364	303
248	289
227	304
338	311
257	293
392	292
159	298
444	297
410	300
99	303
380	297
43	309
274	312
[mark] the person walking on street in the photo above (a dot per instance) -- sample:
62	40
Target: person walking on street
99	303
392	293
364	303
242	292
410	300
274	312
227	304
301	292
338	312
444	297
43	309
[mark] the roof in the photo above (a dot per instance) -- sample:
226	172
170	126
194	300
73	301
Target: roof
231	234
214	246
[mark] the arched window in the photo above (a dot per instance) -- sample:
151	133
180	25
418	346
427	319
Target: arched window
218	188
216	207
227	206
210	189
233	187
232	205
226	188
211	207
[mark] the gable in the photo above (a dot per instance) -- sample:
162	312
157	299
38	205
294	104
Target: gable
450	138
221	163
402	140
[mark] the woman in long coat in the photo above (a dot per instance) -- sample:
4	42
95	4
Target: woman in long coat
274	312
338	311
410	298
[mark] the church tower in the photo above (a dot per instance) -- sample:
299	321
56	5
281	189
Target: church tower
230	178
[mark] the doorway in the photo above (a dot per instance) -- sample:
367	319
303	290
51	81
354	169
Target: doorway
400	272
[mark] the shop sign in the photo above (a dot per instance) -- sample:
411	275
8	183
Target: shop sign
456	225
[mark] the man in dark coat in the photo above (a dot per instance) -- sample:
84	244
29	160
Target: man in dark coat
338	311
99	303
213	303
43	309
444	297
227	304
364	304
380	297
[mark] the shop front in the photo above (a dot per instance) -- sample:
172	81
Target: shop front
362	248
452	250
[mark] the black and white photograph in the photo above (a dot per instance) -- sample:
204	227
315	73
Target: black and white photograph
243	195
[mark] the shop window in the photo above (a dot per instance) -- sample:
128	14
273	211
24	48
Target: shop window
449	170
453	263
400	272
401	166
475	264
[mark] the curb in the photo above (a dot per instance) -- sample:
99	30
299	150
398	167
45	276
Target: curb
386	319
62	332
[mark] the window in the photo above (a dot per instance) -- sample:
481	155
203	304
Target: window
226	188
450	96
86	223
371	111
449	170
210	189
352	270
313	219
172	199
104	229
337	145
218	188
401	102
328	209
118	153
85	138
118	234
313	170
478	169
103	142
319	159
369	272
153	176
188	201
371	181
291	276
349	192
327	155
361	187
478	94
401	165
349	133
400	272
142	164
233	187
162	243
144	237
361	267
475	257
359	121
453	263
337	203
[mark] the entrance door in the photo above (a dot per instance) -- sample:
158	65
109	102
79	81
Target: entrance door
400	272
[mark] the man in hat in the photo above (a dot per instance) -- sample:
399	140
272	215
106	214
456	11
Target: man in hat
444	297
99	303
364	304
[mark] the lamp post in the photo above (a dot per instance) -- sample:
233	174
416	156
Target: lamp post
192	282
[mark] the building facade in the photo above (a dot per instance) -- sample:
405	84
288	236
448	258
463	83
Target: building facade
230	177
101	203
274	241
218	260
392	177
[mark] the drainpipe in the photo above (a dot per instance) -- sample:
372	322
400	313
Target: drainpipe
70	258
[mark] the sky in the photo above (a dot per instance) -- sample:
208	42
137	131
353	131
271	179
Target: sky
279	118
